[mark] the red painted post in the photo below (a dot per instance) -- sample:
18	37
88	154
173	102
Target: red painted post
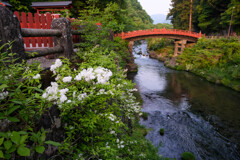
25	25
38	26
49	21
44	26
30	20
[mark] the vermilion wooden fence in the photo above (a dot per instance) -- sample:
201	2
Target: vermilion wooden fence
39	21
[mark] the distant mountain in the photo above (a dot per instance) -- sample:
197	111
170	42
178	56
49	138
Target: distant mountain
160	18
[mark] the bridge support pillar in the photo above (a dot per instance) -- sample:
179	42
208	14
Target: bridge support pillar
130	46
179	47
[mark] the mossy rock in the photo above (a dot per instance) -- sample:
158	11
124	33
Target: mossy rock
161	131
188	156
144	116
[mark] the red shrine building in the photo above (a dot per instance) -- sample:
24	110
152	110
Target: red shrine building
45	6
51	6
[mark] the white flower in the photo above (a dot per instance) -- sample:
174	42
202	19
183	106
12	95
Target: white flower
78	77
63	97
57	64
37	76
112	117
112	132
117	140
67	79
3	95
102	74
82	96
88	74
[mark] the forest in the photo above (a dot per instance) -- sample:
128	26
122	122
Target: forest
209	16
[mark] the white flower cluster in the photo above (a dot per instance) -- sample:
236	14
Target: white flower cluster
101	74
3	94
130	104
112	132
37	76
112	117
120	143
53	93
57	64
101	91
82	96
67	79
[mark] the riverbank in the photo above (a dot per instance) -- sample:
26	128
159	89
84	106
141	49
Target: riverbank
217	60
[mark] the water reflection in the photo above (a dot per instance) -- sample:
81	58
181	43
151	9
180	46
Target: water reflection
197	116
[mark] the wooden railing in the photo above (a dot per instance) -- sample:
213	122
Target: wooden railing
39	21
155	31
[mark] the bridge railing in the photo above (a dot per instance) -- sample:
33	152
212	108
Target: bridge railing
157	32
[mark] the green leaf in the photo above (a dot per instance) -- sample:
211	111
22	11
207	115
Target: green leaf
43	137
12	149
40	149
17	102
23	139
2	134
12	109
23	151
15	137
1	141
13	119
53	143
3	86
7	144
7	156
22	132
1	154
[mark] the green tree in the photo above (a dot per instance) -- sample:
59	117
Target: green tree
179	14
21	5
210	15
233	8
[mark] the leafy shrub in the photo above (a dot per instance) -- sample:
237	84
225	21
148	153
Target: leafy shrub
215	59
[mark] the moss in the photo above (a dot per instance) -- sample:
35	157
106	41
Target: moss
188	156
161	131
144	116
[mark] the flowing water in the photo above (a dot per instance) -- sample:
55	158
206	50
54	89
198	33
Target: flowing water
197	116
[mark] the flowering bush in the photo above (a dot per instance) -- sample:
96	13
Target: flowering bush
21	106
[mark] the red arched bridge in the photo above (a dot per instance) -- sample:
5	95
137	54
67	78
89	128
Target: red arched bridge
181	37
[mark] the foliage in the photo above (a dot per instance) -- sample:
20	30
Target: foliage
159	43
215	59
179	14
21	107
161	131
206	14
21	5
210	14
163	25
188	156
127	13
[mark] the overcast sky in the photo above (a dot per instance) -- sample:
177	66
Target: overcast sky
156	6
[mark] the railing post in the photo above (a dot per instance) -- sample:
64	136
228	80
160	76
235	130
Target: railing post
65	41
10	31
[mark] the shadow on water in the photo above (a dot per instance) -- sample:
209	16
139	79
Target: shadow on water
197	116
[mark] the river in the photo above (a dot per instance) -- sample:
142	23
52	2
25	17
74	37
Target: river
197	116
